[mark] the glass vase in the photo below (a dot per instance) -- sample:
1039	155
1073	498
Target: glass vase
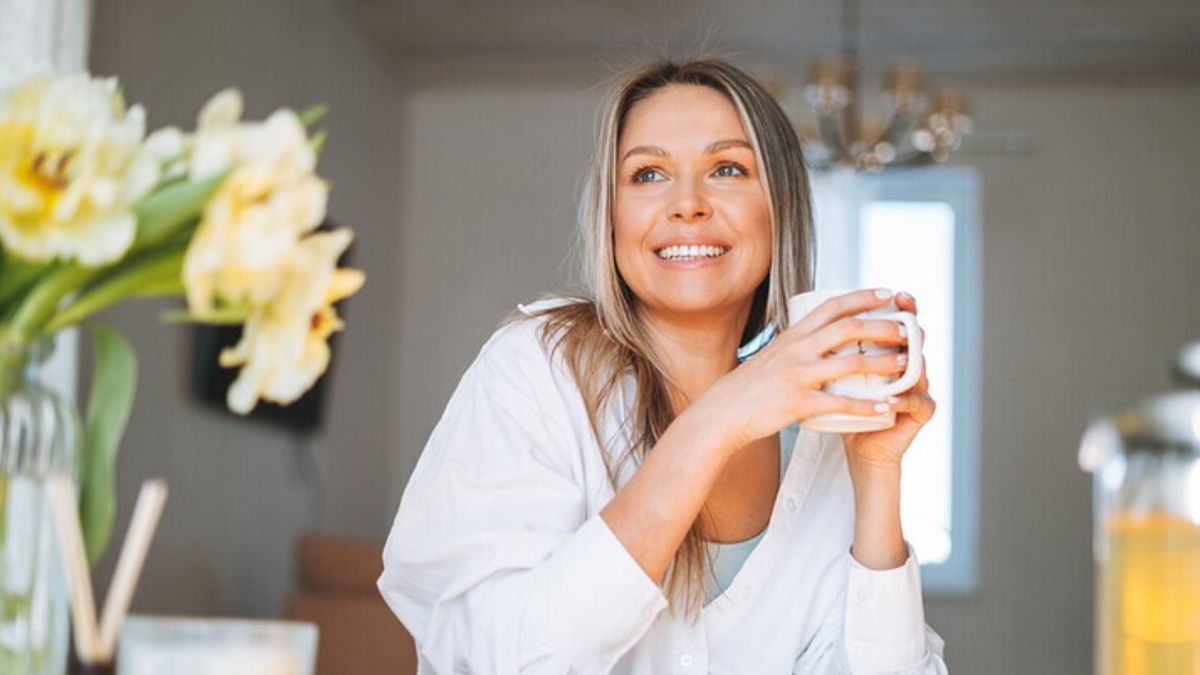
1145	458
40	437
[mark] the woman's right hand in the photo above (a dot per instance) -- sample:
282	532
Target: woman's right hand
782	382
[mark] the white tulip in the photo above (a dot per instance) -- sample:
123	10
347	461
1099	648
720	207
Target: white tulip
271	198
71	168
284	346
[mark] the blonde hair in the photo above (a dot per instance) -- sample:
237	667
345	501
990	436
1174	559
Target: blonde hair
601	338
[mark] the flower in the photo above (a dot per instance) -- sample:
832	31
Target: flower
71	168
224	216
270	199
168	146
284	346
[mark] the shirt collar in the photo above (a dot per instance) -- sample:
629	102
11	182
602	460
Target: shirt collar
756	343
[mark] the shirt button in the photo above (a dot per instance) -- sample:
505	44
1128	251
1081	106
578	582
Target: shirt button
791	504
685	660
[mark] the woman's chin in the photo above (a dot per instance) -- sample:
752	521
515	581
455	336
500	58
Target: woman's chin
692	302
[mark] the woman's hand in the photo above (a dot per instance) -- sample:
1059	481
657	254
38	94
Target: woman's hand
782	383
874	462
882	450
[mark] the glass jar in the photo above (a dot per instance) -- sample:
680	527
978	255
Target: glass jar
40	436
1145	459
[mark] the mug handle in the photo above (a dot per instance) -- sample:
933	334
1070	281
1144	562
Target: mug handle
916	360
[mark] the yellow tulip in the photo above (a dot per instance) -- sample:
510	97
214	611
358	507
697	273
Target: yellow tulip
71	168
284	346
251	226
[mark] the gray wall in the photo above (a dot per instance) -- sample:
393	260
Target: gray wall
1090	274
487	204
462	188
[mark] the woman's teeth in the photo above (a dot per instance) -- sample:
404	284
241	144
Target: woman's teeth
691	252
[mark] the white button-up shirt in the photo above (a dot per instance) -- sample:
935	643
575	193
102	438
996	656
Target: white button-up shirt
499	562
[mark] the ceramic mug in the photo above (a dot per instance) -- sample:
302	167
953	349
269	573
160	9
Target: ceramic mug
863	386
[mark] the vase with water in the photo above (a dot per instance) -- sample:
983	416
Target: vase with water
40	436
1145	459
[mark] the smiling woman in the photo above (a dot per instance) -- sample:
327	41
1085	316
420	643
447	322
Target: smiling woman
610	491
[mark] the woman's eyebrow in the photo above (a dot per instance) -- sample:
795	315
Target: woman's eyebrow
715	146
718	146
646	150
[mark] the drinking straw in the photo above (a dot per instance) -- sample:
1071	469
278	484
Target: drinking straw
129	565
79	582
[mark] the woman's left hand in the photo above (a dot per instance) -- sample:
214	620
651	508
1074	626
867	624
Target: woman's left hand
882	450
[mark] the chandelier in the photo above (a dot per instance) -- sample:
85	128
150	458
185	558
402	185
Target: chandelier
920	129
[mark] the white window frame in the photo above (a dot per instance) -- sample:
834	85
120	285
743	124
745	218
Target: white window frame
838	200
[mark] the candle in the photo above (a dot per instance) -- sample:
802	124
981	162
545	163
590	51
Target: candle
194	646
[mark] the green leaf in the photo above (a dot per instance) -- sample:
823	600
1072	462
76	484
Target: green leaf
168	209
110	401
161	287
318	141
314	113
217	317
151	269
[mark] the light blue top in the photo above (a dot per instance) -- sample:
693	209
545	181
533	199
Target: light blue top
728	559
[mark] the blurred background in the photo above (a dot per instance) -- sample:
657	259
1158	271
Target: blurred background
1055	253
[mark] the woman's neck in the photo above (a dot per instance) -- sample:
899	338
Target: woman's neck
697	351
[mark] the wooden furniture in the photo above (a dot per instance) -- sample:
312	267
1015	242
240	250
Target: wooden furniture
359	635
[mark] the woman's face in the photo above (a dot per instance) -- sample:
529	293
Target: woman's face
687	177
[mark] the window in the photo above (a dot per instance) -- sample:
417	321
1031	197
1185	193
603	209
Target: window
917	230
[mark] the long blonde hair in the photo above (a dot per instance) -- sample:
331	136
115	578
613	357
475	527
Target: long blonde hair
601	338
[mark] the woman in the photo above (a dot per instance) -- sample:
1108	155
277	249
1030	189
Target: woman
608	490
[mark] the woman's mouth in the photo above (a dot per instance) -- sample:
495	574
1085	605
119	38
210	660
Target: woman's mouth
689	253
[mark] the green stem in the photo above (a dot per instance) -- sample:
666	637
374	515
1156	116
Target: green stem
17	275
42	301
151	270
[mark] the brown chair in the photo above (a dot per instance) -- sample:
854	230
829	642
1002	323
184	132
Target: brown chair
359	635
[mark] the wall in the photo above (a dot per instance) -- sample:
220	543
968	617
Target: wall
1090	270
488	213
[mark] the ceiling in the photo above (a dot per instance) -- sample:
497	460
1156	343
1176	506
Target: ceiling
1108	40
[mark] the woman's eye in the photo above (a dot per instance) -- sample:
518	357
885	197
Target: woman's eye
736	167
638	175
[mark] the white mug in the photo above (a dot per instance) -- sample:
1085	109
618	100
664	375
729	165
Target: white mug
863	386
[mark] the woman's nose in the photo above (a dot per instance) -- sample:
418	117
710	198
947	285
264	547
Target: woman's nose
688	203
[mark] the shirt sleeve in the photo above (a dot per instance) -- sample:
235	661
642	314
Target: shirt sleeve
876	627
493	563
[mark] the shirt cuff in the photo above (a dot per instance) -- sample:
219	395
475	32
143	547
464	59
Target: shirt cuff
592	601
885	617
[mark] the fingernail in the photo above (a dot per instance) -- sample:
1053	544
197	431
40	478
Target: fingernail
902	358
894	400
906	294
883	293
881	407
903	331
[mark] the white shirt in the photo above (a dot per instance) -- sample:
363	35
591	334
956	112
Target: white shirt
499	562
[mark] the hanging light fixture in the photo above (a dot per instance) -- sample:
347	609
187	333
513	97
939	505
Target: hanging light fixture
916	133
